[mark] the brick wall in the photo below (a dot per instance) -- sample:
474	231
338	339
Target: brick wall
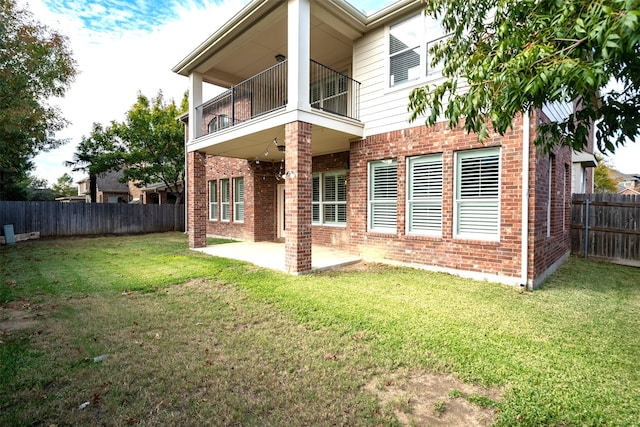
495	258
218	168
551	239
196	199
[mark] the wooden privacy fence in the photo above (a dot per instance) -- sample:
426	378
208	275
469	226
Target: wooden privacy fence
53	219
606	227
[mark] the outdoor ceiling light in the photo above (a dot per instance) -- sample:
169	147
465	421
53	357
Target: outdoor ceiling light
280	57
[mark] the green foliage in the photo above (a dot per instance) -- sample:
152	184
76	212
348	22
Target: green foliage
506	58
35	65
152	142
604	182
65	186
95	155
576	364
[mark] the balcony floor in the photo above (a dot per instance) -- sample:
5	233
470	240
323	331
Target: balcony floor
271	255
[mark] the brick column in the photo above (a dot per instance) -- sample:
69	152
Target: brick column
298	197
197	199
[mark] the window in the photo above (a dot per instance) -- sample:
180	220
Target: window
225	197
409	45
424	195
329	198
477	194
218	122
383	193
238	199
213	200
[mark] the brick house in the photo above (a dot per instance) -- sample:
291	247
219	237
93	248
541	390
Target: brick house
310	144
109	189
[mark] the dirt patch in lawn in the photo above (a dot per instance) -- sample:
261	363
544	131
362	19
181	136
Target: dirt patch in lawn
423	398
18	315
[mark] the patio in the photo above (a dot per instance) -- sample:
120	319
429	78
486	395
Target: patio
271	255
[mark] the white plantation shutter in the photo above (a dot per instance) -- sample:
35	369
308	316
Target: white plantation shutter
329	198
478	194
213	200
315	198
225	194
238	199
424	195
334	197
383	193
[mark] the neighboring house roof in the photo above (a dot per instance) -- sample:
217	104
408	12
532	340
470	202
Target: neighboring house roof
109	182
629	192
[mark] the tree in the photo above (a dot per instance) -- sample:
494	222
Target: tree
95	155
65	186
604	182
152	142
35	65
516	55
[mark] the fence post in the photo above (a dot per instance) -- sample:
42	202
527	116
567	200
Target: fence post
586	228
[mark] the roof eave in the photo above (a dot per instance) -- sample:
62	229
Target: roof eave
256	8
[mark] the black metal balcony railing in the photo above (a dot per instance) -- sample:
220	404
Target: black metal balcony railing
334	92
330	91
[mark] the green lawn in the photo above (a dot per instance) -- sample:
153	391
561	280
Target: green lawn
195	340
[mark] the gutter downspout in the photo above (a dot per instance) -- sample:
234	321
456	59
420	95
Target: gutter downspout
524	262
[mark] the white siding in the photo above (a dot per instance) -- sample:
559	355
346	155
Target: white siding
382	109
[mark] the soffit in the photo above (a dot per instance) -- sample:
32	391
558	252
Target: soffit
248	43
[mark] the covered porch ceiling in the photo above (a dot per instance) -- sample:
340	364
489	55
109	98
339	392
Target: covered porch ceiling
260	145
234	54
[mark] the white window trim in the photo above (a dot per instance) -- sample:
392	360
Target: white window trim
371	202
222	202
236	203
410	201
480	152
322	202
213	205
424	76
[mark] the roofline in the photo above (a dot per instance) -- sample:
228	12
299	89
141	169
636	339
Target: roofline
256	8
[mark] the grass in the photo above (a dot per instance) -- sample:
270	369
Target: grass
193	338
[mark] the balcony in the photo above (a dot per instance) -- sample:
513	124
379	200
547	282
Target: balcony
329	91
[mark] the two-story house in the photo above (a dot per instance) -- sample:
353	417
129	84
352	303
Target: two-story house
311	144
109	189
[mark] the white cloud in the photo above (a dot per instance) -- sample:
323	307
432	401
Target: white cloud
116	62
115	66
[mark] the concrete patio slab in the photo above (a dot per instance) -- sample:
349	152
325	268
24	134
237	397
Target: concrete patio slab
271	255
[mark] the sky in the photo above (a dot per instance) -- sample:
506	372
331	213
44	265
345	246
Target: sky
123	47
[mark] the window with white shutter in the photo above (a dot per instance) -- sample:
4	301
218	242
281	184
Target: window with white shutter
213	200
477	194
383	195
238	199
315	199
410	42
329	198
225	199
424	195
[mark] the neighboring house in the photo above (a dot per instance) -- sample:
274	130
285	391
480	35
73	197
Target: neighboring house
311	145
109	188
628	184
152	194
